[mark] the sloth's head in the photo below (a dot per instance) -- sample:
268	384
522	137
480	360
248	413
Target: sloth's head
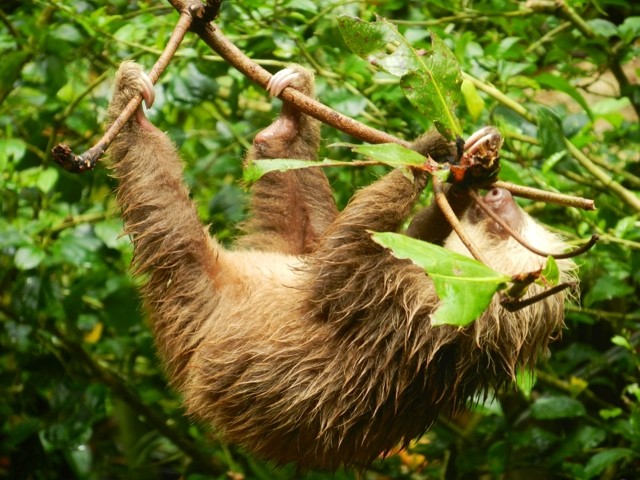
503	252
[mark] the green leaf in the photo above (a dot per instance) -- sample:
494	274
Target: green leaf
551	408
526	380
110	232
497	456
550	132
47	179
630	29
473	100
28	257
11	148
607	288
430	80
465	286
259	168
633	389
600	461
78	250
551	273
603	27
621	342
558	83
391	154
10	69
609	413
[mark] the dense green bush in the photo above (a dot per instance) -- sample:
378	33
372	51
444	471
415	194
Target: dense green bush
81	392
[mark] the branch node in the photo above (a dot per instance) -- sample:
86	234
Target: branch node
64	156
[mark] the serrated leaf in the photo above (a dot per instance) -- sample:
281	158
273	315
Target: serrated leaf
430	80
551	408
464	286
378	42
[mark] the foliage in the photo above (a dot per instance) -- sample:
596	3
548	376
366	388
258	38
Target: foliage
454	276
82	393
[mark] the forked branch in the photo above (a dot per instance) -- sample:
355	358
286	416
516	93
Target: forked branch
62	153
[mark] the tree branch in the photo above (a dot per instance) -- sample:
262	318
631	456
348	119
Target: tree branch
212	36
64	156
452	219
625	195
196	17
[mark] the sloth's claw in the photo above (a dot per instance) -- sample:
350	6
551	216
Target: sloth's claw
146	89
281	80
483	147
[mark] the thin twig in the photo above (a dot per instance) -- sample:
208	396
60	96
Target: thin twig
513	305
545	196
561	9
518	238
627	196
452	219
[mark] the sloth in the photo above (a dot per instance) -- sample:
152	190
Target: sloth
307	342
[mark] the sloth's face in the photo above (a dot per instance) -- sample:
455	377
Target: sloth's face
501	202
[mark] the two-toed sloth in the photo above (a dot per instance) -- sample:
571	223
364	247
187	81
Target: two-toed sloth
308	342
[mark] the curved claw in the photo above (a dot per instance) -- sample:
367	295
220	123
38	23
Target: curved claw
488	138
281	80
146	89
482	148
477	135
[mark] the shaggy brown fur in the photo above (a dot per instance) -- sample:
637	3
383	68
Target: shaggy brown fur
327	358
290	210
